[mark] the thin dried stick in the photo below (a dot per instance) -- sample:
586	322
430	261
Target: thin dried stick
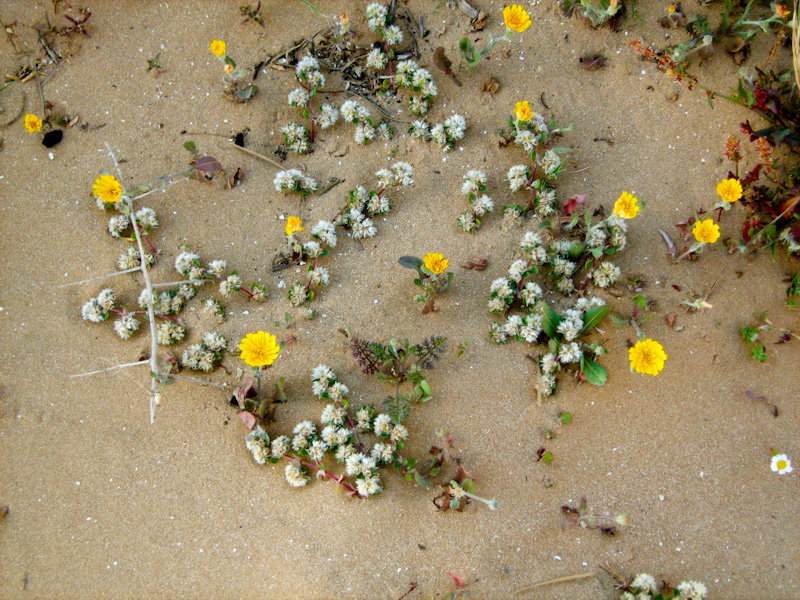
198	380
261	156
101	277
171	283
552	581
114	368
150	312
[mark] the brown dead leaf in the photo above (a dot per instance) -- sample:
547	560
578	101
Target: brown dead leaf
670	318
479	22
491	85
475	263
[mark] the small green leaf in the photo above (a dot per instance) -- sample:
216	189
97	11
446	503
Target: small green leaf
190	146
550	321
594	373
593	317
411	262
547	457
421	481
566	418
468	486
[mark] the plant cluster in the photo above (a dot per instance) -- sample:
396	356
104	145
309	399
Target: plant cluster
474	183
645	586
581	516
750	334
536	137
444	134
515	19
431	277
236	87
297	137
597	12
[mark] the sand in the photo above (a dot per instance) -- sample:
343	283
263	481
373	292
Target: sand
104	504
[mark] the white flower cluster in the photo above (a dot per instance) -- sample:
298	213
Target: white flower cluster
338	436
443	134
357	114
170	302
293	180
131	258
363	206
645	586
295	136
378	20
532	136
474	183
307	72
146	219
206	355
96	310
170	332
420	81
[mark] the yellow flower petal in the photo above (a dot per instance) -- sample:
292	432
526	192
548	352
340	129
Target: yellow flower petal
730	190
626	206
706	231
259	349
522	111
218	48
647	357
516	18
107	188
435	262
32	123
293	225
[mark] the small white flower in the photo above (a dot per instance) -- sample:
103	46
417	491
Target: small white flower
306	65
781	464
185	261
455	125
317	450
364	132
117	224
280	446
403	173
569	353
305	428
398	433
295	475
383	424
364	229
298	97
551	161
644	582
377	60
517	177
419	129
482	205
692	590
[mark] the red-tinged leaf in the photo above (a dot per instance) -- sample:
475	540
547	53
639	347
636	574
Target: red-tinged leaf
459	582
475	263
671	319
248	418
207	164
677	288
573	203
752	176
461	474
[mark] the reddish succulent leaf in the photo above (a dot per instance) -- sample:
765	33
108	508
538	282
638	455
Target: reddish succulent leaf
459	582
573	203
207	164
248	418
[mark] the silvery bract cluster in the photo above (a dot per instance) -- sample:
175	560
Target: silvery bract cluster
308	74
474	183
645	586
357	114
205	355
419	81
188	264
340	436
295	136
132	258
293	180
378	20
146	219
443	134
363	206
791	239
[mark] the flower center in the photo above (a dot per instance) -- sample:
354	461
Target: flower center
781	465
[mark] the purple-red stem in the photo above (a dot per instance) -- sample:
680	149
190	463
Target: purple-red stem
338	480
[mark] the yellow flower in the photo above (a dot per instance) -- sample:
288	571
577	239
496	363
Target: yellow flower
523	111
782	11
259	349
293	225
217	47
435	262
671	8
107	188
730	190
32	123
626	206
516	18
647	357
706	231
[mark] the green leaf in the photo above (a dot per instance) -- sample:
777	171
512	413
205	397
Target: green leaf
421	481
594	373
593	317
619	321
190	146
468	486
547	457
566	418
411	262
640	301
550	321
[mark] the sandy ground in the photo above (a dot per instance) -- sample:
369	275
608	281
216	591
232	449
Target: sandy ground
105	505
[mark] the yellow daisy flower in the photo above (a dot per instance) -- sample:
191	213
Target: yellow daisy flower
218	47
32	123
293	225
647	357
435	262
626	206
730	190
107	188
706	231
516	18
523	111
259	349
